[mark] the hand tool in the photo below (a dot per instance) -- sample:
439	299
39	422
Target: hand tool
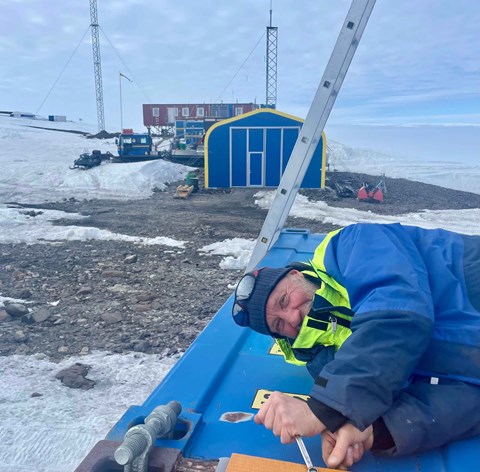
306	457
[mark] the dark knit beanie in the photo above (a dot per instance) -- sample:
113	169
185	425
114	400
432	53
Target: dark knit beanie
266	280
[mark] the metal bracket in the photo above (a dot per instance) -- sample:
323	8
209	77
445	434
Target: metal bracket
139	440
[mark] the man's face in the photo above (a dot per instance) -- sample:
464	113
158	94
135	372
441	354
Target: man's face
289	302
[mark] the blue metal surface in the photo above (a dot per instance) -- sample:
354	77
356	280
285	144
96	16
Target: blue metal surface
221	373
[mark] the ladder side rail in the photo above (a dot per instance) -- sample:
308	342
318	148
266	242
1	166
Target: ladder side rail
311	131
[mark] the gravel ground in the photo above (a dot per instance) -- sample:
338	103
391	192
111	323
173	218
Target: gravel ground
119	296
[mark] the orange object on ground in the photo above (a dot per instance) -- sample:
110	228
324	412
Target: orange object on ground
370	194
183	191
243	463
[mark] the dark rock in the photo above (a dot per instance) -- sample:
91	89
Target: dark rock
22	349
32	213
146	297
84	290
140	308
141	346
24	294
111	318
75	377
113	273
4	316
16	309
156	305
131	259
37	316
41	314
19	336
28	319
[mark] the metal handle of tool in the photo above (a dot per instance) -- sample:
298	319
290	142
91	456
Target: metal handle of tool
305	455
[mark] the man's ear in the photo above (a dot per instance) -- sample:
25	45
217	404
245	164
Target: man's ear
295	273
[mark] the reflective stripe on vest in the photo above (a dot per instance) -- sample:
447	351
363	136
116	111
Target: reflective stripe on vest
328	323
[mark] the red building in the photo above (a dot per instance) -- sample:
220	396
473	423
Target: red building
160	115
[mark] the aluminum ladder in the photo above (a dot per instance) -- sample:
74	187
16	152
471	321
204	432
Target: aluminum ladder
311	131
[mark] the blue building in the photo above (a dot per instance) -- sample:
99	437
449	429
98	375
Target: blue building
253	149
190	130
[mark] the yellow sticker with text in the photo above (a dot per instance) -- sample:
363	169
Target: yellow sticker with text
263	395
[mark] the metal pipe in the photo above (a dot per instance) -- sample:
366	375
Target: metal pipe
139	440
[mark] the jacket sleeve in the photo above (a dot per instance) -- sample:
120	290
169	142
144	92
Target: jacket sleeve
428	416
389	292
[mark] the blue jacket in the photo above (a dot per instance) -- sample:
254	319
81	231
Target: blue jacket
415	294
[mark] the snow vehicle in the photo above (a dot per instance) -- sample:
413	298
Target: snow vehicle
136	147
93	159
131	147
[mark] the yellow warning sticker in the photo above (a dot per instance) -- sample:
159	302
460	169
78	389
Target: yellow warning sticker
263	395
275	350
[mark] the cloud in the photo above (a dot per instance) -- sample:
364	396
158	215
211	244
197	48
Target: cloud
412	54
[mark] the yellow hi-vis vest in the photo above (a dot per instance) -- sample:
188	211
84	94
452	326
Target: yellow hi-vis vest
328	322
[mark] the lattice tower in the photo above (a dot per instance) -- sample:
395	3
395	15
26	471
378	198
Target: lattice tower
271	75
97	65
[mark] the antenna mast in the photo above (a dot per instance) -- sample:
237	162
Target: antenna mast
271	89
312	128
97	65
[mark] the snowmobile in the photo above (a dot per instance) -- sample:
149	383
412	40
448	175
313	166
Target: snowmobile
87	161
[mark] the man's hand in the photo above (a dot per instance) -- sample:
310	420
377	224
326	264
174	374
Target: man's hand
346	446
288	417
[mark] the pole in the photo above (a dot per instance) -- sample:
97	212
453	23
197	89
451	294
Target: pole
121	107
121	111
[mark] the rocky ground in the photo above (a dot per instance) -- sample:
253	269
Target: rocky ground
119	296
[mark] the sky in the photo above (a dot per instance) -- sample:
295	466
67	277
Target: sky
55	431
417	63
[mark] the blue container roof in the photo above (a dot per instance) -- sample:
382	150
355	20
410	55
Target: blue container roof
230	369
